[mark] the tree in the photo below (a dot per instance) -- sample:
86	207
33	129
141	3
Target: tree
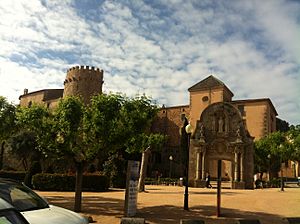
270	152
293	143
7	124
71	138
34	124
23	146
110	124
293	139
121	125
262	156
153	141
37	120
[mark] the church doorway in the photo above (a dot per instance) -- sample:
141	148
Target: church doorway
226	172
220	134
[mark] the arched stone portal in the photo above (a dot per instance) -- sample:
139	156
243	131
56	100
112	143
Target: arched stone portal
220	134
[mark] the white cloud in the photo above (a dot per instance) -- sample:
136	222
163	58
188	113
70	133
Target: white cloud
157	48
280	22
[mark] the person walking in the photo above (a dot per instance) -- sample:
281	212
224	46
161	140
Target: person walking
208	185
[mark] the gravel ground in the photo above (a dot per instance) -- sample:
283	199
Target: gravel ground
164	204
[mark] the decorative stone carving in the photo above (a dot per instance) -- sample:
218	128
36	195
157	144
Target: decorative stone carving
221	125
220	134
201	130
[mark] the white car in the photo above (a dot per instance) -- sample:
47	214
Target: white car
9	215
35	209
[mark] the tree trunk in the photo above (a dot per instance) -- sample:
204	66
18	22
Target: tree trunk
2	154
78	186
143	171
25	165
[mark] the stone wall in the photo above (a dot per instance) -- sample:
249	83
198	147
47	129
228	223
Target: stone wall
28	99
169	122
83	81
259	117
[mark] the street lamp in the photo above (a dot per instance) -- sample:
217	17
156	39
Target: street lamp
171	160
281	172
188	130
269	160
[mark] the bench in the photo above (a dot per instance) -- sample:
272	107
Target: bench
297	182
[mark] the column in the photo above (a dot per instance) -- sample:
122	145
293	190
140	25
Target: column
241	167
198	166
203	166
235	166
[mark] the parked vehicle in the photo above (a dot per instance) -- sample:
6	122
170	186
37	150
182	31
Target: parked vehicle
9	215
34	208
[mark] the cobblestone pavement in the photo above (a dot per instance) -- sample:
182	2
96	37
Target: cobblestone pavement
164	204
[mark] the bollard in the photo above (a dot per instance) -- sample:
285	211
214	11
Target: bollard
181	181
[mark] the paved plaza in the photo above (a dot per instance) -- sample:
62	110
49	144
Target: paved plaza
164	204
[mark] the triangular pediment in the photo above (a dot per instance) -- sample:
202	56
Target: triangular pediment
209	83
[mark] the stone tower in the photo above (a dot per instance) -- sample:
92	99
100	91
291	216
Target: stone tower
83	81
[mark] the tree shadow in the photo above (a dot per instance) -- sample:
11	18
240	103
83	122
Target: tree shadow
91	205
210	192
215	193
116	190
166	214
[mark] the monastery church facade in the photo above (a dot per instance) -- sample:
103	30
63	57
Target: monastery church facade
223	128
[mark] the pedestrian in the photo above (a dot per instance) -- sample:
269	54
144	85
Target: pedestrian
208	180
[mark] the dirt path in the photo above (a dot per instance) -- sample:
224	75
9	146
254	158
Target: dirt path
164	204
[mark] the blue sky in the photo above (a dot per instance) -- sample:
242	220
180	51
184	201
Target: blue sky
160	47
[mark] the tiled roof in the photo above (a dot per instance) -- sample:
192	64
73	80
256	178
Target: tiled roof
208	83
49	94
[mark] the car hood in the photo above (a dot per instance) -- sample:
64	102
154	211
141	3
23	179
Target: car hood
52	215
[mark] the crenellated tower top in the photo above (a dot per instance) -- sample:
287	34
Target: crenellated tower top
84	81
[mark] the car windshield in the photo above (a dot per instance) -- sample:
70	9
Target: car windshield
10	216
21	197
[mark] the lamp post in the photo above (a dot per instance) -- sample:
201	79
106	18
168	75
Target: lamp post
171	160
281	172
188	130
269	171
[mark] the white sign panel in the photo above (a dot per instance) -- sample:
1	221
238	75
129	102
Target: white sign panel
132	188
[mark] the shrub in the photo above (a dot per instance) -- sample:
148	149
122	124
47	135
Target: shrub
275	182
34	169
94	182
119	181
164	181
53	182
63	182
115	169
150	181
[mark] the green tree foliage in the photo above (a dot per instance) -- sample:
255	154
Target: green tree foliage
120	123
37	120
34	124
102	122
293	142
7	124
121	126
68	125
276	148
71	139
109	127
23	147
262	156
